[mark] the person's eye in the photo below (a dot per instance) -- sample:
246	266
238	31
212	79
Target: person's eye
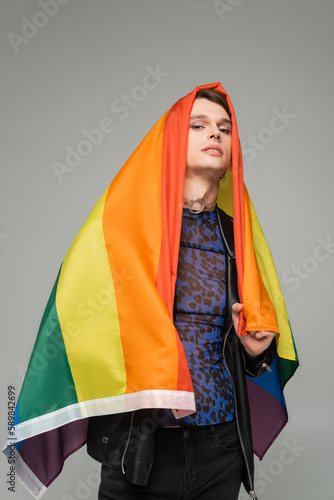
196	127
225	130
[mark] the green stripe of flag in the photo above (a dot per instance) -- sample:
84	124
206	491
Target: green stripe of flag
48	385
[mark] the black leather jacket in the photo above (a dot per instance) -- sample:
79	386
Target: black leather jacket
126	440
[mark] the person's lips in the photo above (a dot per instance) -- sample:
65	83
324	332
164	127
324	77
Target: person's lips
214	149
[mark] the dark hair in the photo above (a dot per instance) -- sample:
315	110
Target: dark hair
214	96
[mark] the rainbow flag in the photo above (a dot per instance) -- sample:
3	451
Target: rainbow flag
107	342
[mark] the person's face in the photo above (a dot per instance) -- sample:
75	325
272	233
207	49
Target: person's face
209	140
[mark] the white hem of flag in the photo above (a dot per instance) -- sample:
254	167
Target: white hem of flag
182	403
28	478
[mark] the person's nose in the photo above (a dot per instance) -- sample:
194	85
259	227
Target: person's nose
214	133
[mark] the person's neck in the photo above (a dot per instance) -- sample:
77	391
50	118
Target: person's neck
197	188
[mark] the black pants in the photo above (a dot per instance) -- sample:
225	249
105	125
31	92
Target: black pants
202	463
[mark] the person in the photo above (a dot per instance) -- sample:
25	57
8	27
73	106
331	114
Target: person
199	456
165	343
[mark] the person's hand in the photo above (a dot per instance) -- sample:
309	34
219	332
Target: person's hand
254	343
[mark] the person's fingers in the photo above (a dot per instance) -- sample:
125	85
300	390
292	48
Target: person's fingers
262	334
237	307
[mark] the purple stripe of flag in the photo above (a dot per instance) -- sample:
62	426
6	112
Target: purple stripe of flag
45	453
268	417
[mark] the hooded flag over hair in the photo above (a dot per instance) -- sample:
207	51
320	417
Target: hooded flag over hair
107	342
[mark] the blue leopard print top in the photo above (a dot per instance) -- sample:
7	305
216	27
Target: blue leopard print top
199	311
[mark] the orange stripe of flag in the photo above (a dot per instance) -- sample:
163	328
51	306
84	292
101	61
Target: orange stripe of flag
133	243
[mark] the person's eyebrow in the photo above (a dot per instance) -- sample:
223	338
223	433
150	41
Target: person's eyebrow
205	117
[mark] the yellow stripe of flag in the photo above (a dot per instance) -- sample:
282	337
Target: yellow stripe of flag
285	346
87	313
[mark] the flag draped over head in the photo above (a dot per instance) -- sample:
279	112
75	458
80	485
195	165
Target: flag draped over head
107	342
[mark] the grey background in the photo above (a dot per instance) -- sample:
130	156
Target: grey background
268	55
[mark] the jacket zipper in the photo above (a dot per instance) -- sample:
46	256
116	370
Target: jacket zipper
267	367
127	443
251	493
